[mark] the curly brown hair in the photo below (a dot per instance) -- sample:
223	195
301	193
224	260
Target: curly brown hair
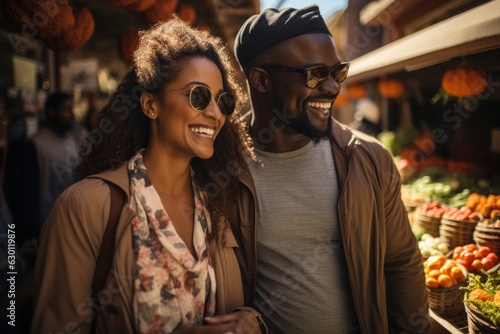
124	129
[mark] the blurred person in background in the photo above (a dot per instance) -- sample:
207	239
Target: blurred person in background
366	117
47	164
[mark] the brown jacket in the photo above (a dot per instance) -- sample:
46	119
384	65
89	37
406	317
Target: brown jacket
384	263
69	245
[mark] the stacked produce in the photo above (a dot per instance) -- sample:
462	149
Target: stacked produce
488	206
442	272
429	245
475	259
484	297
463	214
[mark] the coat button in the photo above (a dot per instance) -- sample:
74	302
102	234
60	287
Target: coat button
113	309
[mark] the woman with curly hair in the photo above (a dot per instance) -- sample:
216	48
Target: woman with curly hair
168	146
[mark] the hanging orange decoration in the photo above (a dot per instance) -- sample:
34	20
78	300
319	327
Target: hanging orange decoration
390	88
161	10
120	3
77	35
186	13
28	17
464	81
357	91
128	43
141	5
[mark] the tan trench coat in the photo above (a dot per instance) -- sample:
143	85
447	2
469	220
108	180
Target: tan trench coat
69	247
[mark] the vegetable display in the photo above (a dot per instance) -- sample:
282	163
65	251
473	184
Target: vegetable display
485	297
442	273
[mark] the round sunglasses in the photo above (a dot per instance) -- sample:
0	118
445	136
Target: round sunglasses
317	75
200	97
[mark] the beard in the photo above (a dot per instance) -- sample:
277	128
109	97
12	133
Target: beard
302	124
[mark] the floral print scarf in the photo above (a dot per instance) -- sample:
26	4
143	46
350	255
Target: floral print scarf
172	288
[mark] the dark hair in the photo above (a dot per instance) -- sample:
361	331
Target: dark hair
54	101
157	61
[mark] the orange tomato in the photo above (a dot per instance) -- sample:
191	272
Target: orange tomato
477	265
484	250
493	257
487	263
457	274
446	268
432	282
436	261
470	247
478	254
468	257
434	273
445	281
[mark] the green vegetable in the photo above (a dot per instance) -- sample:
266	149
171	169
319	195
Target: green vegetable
490	310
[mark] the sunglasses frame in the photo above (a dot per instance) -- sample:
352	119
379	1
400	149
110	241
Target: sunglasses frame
217	100
316	82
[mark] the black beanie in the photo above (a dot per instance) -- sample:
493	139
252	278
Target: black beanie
272	26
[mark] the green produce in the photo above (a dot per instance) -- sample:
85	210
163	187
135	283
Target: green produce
489	309
430	246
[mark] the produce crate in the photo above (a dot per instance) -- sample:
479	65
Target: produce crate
457	232
477	323
448	301
485	235
428	223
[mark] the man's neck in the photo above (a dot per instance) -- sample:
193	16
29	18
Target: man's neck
265	139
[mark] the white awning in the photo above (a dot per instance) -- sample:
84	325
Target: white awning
473	31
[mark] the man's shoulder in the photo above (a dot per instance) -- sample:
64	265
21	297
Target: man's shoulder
345	134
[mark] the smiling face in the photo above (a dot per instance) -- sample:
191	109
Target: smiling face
178	128
309	109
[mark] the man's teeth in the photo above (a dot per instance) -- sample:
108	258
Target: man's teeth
206	131
320	105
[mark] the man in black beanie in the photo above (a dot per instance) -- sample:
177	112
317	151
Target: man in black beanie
325	245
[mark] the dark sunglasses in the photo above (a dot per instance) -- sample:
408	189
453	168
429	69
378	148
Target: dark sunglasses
200	97
317	75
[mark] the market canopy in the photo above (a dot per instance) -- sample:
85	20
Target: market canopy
470	32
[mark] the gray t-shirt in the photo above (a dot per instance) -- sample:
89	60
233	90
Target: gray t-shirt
302	280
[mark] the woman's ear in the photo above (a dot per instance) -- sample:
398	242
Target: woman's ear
259	79
149	105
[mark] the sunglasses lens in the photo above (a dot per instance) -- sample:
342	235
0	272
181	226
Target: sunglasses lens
316	76
200	97
341	73
226	103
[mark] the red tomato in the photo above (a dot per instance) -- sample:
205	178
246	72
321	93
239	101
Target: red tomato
478	254
477	265
493	257
468	257
470	247
465	264
487	263
484	250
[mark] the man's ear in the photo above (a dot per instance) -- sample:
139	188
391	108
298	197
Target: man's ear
149	105
259	79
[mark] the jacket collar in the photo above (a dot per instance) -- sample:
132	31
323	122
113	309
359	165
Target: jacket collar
342	137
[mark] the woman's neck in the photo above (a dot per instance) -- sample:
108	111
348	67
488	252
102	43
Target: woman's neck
169	176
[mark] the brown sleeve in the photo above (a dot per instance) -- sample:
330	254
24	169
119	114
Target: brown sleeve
69	245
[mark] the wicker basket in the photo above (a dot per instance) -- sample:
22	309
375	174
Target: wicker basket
477	323
450	301
429	224
456	232
487	236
